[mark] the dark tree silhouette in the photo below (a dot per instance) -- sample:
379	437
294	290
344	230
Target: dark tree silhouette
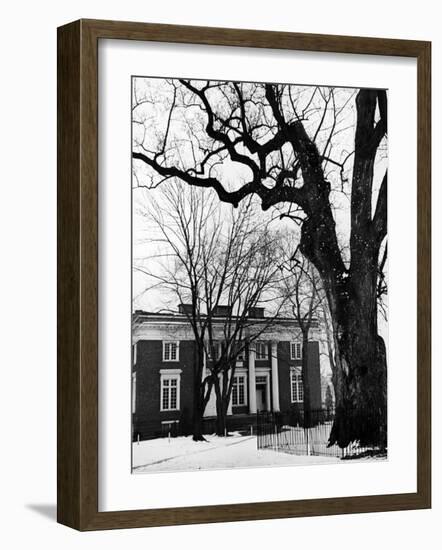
304	299
266	132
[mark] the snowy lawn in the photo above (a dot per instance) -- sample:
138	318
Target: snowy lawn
183	454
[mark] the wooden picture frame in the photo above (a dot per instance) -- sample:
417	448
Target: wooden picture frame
78	274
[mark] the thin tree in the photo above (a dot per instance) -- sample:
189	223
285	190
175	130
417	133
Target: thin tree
304	295
206	259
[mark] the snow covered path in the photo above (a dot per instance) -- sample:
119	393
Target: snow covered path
236	451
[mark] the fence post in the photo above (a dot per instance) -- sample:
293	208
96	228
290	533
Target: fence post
138	438
276	437
308	442
168	436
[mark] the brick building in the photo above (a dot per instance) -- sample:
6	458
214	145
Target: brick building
267	376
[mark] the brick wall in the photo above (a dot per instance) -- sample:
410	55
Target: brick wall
285	363
149	361
148	417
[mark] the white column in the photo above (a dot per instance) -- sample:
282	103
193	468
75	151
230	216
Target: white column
229	406
204	370
252	379
275	381
268	391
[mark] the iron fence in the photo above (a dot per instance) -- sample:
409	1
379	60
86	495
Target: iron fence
302	433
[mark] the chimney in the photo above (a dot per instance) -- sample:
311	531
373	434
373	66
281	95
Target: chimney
256	313
221	311
185	309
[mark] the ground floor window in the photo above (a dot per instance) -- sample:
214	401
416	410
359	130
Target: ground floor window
170	392
239	390
297	387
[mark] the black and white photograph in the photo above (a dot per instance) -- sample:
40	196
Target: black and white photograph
259	325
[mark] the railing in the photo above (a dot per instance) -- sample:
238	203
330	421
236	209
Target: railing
302	433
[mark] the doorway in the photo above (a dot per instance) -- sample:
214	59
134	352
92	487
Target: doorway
261	394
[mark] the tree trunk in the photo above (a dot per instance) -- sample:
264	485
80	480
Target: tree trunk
306	382
360	377
221	409
361	366
197	424
200	397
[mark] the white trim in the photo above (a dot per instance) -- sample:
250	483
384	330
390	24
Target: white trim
177	351
134	392
134	359
159	329
241	370
252	382
296	371
275	377
261	371
168	376
165	372
296	356
244	384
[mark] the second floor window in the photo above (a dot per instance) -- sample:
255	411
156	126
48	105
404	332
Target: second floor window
216	351
239	350
171	351
261	350
295	350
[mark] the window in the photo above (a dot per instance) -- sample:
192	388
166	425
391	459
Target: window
239	347
297	387
217	348
171	351
261	350
134	392
239	390
296	350
170	392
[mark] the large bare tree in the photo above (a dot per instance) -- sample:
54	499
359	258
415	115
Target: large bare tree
284	145
221	267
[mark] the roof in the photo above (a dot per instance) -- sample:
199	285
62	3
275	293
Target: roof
140	316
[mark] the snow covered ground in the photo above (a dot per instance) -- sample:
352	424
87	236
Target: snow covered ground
236	451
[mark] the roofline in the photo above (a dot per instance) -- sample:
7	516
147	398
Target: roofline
148	316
